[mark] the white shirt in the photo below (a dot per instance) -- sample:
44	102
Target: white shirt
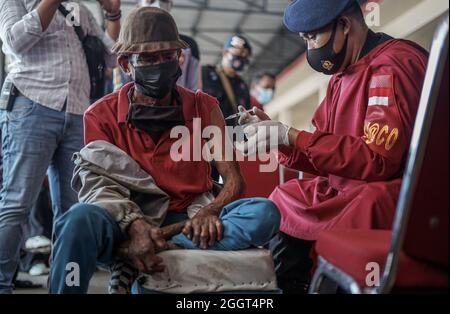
49	66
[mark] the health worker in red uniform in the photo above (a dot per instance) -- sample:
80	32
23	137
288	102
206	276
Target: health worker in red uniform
362	136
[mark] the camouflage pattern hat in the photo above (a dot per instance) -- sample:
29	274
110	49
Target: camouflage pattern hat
148	29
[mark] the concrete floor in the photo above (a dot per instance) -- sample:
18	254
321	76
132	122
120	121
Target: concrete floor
98	285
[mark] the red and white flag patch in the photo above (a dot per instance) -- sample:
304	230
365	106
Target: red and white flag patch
380	91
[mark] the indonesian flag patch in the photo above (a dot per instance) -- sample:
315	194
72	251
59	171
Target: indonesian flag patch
381	90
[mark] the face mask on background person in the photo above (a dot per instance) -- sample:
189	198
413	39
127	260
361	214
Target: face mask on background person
156	81
264	95
324	59
165	5
237	63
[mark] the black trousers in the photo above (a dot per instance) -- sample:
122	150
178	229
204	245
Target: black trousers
292	263
215	175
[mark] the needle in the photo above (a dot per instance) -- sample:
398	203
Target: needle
237	115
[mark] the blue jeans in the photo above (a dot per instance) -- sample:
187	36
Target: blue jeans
35	140
87	235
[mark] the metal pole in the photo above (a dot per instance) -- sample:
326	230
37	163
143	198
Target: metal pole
214	8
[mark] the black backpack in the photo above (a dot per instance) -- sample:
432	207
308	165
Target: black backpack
94	51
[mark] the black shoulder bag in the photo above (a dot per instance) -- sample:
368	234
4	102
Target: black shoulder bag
94	51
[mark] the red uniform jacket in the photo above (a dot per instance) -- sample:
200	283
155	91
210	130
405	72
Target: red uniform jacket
363	131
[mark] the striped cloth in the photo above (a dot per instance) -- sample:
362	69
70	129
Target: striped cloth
123	274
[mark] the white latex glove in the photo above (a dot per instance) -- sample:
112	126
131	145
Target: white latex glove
264	136
252	117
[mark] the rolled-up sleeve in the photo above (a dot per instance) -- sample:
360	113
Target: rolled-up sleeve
19	30
114	198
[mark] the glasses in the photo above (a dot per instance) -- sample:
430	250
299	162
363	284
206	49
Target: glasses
316	36
240	52
153	58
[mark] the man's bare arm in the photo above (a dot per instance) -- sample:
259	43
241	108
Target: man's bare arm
205	228
113	8
46	10
234	184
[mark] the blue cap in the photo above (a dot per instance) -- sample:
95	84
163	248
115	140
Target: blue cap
238	41
305	16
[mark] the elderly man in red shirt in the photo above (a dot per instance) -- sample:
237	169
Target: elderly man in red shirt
363	131
127	180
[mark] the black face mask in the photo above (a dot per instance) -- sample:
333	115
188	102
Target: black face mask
154	119
238	63
324	59
156	81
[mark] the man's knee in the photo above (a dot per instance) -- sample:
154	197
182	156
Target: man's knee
380	196
379	201
265	218
78	218
266	211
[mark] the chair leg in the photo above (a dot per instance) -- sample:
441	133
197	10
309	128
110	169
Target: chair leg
328	286
328	279
322	284
316	282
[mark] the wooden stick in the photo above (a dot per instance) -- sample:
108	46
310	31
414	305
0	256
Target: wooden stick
174	229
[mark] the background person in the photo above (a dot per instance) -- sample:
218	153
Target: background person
44	127
262	90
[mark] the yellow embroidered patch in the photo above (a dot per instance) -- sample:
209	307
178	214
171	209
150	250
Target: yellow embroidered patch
384	136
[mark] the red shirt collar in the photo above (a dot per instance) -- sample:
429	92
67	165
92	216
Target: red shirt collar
123	103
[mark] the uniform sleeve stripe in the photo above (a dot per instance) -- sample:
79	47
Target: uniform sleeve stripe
378	101
380	92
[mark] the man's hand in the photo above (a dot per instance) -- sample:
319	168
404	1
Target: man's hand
110	6
145	241
204	228
262	138
249	118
